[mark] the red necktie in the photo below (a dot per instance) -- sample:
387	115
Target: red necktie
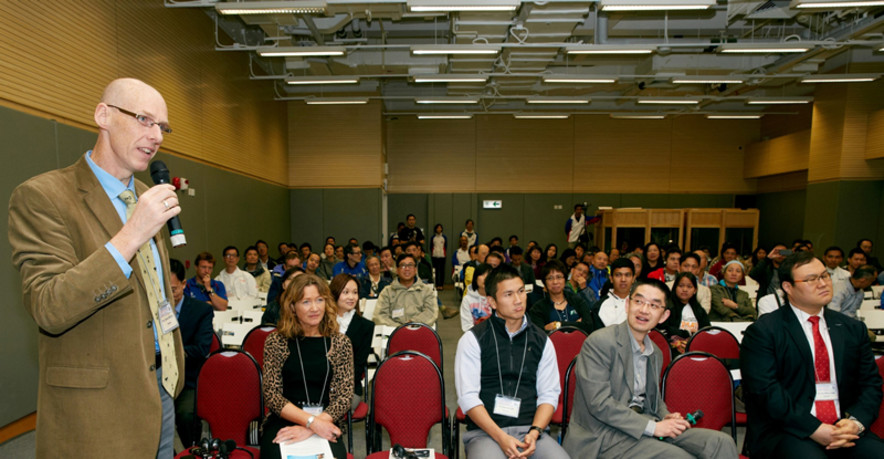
825	409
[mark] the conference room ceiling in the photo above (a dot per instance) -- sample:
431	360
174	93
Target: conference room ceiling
537	57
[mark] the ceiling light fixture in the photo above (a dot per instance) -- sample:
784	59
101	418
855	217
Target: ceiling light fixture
656	5
734	117
845	78
540	117
337	101
764	48
610	49
828	4
779	100
270	7
669	101
637	117
707	79
322	80
454	49
554	100
419	6
444	117
577	79
450	78
449	100
301	51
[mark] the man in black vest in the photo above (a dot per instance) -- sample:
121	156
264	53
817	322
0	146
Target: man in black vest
507	377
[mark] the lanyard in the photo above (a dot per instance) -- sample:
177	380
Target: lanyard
304	375
499	371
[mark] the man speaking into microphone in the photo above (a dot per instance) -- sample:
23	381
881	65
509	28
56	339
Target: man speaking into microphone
95	278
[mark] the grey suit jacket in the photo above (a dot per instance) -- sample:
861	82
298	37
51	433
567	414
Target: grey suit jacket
601	416
98	393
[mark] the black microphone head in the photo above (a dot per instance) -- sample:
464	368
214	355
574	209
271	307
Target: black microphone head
228	446
159	173
697	414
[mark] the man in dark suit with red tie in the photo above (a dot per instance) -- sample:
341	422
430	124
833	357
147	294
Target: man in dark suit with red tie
810	381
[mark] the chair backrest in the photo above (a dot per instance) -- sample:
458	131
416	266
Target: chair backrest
567	342
408	398
570	385
716	341
228	394
661	343
878	426
701	381
216	343
253	343
418	337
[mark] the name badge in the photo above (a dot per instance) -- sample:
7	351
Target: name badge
826	391
168	321
398	313
314	410
507	406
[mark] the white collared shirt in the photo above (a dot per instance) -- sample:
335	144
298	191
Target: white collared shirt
345	319
613	310
807	327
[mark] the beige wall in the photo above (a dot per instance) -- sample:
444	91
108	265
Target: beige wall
586	153
57	56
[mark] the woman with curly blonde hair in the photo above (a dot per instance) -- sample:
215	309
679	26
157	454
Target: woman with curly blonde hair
308	370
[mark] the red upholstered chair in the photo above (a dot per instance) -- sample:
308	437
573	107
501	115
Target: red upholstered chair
716	341
358	415
419	337
253	343
570	385
701	381
878	426
228	397
665	348
407	399
567	342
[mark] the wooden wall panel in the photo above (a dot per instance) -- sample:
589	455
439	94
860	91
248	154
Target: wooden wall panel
783	182
57	56
780	155
335	146
524	155
799	118
862	101
709	154
431	155
875	136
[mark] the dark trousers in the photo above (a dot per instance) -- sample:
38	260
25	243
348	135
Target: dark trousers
185	406
439	266
867	446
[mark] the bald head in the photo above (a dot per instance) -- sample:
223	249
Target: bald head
120	90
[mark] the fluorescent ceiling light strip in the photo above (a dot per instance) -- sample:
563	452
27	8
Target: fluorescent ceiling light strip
270	7
454	49
578	80
462	5
706	80
807	4
734	117
321	80
655	5
856	78
541	117
763	48
673	101
779	101
448	101
556	101
610	49
297	51
444	117
450	79
336	101
638	117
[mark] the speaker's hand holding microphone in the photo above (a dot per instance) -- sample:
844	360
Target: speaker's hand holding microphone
159	173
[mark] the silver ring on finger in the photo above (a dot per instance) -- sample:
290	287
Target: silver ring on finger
165	203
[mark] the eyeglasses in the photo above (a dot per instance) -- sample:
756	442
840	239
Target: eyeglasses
145	120
641	302
231	255
406	265
555	277
824	276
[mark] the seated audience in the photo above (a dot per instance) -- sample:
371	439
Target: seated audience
551	252
687	316
810	382
352	264
283	248
507	378
345	290
474	306
770	302
569	259
253	267
305	250
637	260
703	277
833	257
195	323
292	260
525	270
848	295
424	267
369	249
495	256
690	263
598	271
239	284
534	259
407	299
201	287
728	254
855	258
611	308
866	246
264	255
312	264
374	282
729	303
652	260
561	307
308	371
388	263
618	409
579	282
670	268
765	271
327	266
271	311
460	257
466	276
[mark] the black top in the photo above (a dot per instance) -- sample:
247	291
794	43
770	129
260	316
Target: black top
543	312
360	332
316	367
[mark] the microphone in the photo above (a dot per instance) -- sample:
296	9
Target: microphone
159	173
694	417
